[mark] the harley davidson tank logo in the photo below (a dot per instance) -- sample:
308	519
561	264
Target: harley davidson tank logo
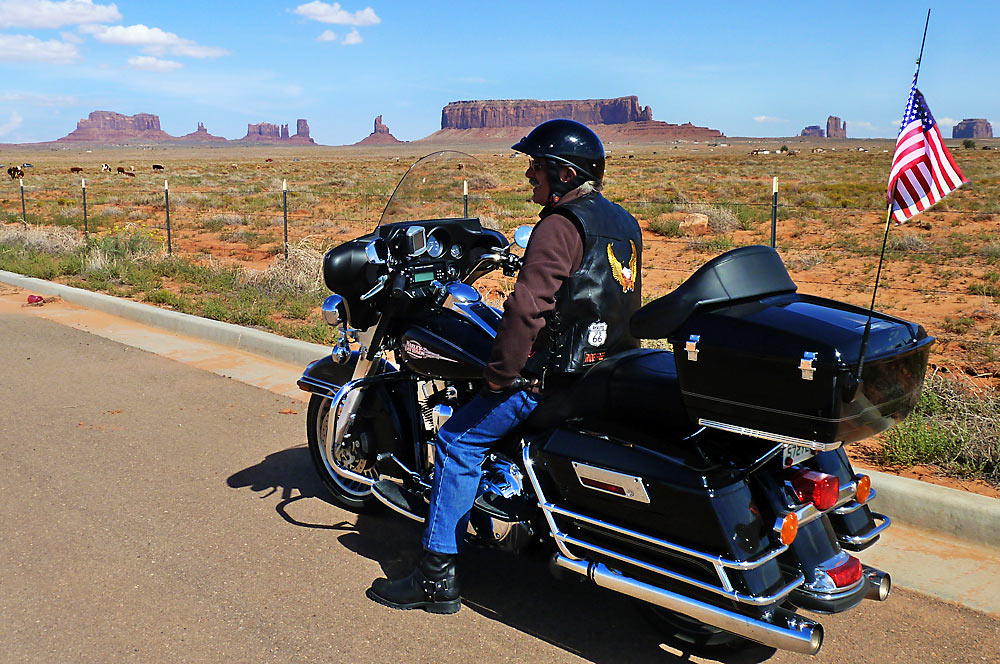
418	352
597	333
625	276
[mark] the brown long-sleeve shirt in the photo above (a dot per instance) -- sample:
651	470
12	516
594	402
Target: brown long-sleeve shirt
554	252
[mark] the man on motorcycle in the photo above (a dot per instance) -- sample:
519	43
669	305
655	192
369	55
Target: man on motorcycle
577	288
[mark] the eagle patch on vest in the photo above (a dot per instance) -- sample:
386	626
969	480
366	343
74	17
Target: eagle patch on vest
597	333
625	276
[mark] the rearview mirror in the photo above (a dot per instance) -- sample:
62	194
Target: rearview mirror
521	236
377	252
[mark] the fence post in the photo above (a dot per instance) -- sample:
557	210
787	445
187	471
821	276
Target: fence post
774	212
284	205
166	200
83	186
465	198
24	214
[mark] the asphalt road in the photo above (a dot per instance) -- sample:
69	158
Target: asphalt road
155	512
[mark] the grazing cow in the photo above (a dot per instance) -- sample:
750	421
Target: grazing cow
105	168
14	172
121	170
129	174
269	160
157	167
75	169
27	165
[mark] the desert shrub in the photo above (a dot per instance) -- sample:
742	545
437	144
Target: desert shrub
955	426
906	242
969	144
301	273
721	219
716	244
666	227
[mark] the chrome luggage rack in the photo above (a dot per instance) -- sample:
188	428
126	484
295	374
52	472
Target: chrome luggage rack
721	564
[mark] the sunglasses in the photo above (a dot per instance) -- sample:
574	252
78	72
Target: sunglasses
536	164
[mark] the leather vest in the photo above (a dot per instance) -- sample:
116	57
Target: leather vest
590	319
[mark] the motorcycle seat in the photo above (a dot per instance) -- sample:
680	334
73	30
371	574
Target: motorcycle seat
743	273
632	395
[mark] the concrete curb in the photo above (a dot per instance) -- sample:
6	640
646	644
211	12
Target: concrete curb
957	513
262	343
968	516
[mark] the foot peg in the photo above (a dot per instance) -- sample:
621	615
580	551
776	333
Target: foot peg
400	499
498	507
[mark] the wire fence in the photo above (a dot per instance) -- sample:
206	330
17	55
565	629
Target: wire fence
265	219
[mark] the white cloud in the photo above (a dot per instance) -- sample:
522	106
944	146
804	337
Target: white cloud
327	36
768	119
947	122
38	99
71	37
149	63
860	124
48	14
152	41
25	48
324	13
353	37
12	123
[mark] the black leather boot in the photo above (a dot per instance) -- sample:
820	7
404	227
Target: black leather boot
432	586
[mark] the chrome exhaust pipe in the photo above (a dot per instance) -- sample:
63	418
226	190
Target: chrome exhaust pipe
879	583
782	629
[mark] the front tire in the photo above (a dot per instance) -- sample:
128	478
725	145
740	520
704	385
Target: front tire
349	494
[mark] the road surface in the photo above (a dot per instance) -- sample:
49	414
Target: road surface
157	512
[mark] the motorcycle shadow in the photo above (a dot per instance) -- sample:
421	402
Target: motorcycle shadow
520	592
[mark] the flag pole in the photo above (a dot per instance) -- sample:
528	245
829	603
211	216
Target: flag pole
851	386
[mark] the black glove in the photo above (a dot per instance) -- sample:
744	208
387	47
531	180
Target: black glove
519	383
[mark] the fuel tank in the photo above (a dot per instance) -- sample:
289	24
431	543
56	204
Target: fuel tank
450	343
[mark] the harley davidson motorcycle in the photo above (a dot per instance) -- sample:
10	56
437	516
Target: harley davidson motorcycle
710	483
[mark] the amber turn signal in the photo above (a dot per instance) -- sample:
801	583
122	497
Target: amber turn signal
789	528
864	489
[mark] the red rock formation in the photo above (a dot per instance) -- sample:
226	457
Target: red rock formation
109	127
498	113
972	128
813	130
302	128
200	135
380	136
284	132
264	131
835	128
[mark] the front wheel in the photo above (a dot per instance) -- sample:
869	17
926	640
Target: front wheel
353	454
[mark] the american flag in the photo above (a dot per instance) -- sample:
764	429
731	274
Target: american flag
923	171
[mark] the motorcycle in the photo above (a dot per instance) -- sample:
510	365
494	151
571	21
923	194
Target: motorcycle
708	480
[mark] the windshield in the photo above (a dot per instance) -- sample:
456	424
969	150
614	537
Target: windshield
443	185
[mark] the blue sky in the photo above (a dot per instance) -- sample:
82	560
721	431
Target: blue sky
747	69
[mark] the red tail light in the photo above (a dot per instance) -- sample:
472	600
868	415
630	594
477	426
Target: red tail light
820	489
847	573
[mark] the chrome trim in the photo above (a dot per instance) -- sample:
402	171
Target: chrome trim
859	540
807	512
462	293
329	389
806	365
782	629
721	565
331	309
879	583
854	505
766	435
824	587
725	591
631	485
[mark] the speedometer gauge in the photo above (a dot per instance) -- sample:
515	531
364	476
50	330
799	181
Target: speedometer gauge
456	251
434	247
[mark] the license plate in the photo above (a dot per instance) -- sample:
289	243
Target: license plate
793	454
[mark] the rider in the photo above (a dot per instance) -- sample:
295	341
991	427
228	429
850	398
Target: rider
576	290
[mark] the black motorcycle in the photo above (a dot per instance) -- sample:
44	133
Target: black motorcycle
709	482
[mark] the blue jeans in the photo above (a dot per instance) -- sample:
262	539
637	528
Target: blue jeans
461	446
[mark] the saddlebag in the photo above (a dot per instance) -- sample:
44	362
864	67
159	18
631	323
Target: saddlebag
784	364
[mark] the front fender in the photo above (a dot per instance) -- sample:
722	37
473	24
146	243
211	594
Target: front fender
325	376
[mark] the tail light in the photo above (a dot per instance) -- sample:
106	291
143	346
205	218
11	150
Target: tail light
864	489
846	573
820	489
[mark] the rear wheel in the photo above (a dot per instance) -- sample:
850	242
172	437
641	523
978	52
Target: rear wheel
355	453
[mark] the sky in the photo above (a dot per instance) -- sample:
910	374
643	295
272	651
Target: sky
747	69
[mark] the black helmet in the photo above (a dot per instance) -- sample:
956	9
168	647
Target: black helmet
567	143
